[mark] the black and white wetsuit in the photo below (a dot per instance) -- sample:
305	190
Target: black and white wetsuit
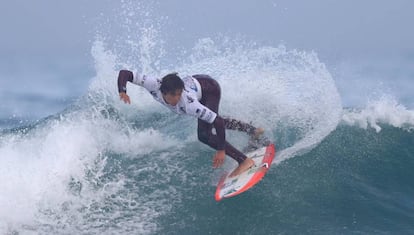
200	98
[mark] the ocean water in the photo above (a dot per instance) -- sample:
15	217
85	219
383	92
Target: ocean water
103	167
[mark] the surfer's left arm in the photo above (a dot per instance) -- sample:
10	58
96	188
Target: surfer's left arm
220	155
220	132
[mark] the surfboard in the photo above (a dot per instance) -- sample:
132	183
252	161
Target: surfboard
232	186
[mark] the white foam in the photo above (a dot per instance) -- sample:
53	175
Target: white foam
273	87
103	89
385	110
38	167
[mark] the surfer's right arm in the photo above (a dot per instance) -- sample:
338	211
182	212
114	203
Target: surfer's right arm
141	80
124	76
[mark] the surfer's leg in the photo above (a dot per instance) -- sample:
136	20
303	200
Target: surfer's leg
211	98
256	139
233	124
206	136
244	166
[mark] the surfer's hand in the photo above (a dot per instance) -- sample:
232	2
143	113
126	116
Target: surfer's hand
219	157
124	97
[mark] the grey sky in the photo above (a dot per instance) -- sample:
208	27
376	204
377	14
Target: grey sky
50	27
48	42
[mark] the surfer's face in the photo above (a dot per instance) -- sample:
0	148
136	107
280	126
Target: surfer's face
172	98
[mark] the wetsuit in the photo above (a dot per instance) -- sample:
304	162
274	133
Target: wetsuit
200	98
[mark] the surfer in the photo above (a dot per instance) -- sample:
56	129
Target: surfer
198	96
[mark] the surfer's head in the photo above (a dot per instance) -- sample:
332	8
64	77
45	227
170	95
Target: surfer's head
171	88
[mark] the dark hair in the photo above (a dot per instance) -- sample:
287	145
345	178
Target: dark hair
170	83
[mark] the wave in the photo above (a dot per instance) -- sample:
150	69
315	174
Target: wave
386	110
101	166
66	165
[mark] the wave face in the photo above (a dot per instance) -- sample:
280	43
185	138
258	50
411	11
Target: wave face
101	166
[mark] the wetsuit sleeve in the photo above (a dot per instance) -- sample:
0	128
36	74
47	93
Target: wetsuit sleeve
124	76
220	131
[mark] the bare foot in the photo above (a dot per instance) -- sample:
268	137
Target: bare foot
244	166
258	132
